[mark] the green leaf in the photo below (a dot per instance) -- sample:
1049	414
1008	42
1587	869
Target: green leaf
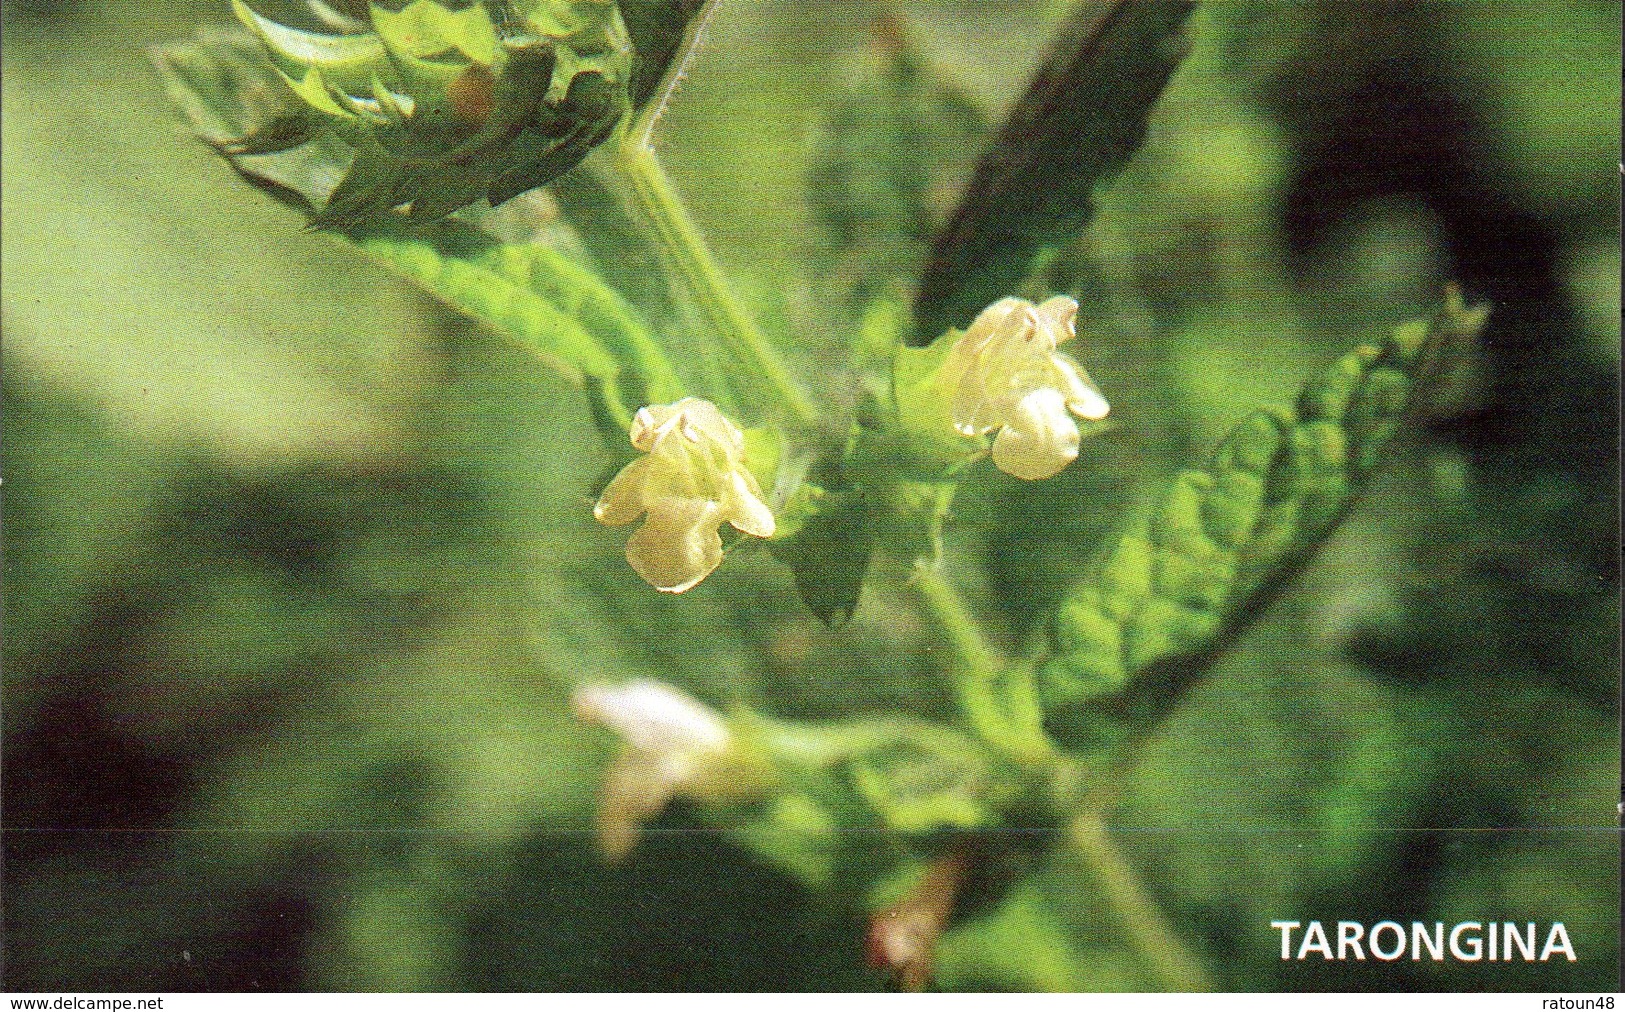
886	493
1181	582
229	92
928	445
412	116
347	60
853	802
424	28
263	121
907	518
1082	116
923	787
828	551
544	302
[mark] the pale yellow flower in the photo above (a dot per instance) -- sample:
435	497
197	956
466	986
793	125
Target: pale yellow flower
673	746
1005	374
690	482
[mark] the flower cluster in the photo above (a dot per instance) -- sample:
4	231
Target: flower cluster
1005	374
691	480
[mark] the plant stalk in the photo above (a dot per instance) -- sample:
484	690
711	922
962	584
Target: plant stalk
1161	949
759	377
976	669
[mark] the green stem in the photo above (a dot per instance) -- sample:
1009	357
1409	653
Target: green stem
641	134
1160	948
988	706
759	376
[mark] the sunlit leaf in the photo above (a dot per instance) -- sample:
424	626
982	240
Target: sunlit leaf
544	302
1182	581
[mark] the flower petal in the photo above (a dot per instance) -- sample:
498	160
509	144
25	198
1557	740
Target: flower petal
1039	439
978	384
1059	316
622	501
691	481
668	736
744	507
653	422
652	716
634	792
995	319
704	418
678	545
1082	396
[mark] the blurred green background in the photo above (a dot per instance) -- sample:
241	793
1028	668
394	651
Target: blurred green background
299	569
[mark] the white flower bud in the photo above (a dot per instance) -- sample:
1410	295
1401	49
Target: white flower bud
692	481
653	717
671	740
1005	374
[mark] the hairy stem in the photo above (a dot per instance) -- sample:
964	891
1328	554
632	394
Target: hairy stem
642	130
994	707
759	377
1158	945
